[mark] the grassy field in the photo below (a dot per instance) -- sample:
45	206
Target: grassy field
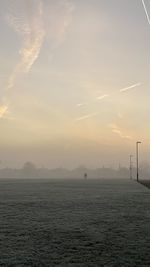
69	223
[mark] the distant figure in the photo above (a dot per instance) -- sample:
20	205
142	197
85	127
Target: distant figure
85	176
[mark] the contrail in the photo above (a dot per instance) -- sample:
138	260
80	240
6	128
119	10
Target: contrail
86	117
146	12
30	27
130	87
98	98
33	35
102	97
109	95
117	130
82	104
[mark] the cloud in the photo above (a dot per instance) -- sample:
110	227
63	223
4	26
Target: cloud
32	32
146	12
86	117
82	104
31	29
130	87
117	130
28	20
102	97
98	98
34	28
3	111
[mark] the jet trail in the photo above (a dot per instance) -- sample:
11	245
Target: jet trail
32	32
117	130
30	27
86	117
102	97
82	104
130	87
146	12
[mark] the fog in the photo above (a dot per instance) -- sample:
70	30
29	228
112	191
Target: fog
68	155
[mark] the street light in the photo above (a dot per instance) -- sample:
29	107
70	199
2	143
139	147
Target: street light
137	160
131	167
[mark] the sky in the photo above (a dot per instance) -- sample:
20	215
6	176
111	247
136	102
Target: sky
74	82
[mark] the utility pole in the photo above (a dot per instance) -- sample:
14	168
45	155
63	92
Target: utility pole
131	167
137	160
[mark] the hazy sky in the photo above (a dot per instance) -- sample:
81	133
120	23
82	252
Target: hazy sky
74	81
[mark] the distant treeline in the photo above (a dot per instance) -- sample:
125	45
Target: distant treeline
29	170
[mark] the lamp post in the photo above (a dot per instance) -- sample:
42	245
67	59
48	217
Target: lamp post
131	167
137	160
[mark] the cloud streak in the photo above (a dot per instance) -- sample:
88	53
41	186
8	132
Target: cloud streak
109	95
117	130
31	29
82	104
146	12
3	111
31	25
102	97
88	116
130	87
32	32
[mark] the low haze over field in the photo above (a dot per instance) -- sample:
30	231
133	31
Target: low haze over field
74	81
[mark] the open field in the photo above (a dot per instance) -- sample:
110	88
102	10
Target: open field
70	223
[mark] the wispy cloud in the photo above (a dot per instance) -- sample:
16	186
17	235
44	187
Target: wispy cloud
130	87
32	33
32	27
31	30
97	98
86	117
102	97
146	12
117	130
3	111
82	104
